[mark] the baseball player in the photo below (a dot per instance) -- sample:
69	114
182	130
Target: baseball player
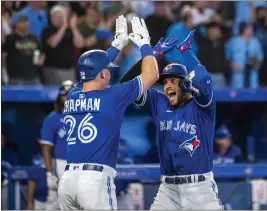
185	117
93	115
54	144
37	189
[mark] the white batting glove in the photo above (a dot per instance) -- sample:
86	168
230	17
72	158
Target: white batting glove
140	35
121	33
52	181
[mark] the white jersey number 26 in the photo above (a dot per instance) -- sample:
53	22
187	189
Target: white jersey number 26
85	127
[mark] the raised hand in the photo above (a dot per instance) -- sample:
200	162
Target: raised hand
164	46
186	44
121	33
140	35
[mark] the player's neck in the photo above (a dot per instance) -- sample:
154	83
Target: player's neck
92	86
186	97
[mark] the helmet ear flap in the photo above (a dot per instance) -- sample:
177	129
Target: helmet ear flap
186	84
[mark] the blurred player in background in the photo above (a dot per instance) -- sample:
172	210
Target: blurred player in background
93	116
54	143
225	151
37	189
185	117
9	159
124	197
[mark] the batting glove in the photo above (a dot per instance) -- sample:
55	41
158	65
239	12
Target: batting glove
164	46
140	35
52	181
121	33
186	44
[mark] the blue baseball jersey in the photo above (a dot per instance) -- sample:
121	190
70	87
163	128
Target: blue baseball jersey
93	120
230	157
185	134
53	133
41	189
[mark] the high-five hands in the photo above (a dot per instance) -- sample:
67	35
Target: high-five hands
140	35
121	33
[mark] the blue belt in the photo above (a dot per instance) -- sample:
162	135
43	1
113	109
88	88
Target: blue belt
183	180
86	167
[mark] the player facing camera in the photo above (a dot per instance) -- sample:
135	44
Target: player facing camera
176	84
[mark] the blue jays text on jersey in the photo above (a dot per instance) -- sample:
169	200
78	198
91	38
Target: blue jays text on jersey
92	121
53	133
185	135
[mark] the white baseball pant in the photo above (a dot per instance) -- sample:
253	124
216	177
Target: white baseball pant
39	205
87	189
198	195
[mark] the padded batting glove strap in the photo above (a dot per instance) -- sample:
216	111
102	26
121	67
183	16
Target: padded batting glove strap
121	33
52	181
140	35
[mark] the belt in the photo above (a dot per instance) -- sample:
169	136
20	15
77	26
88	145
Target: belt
85	167
182	180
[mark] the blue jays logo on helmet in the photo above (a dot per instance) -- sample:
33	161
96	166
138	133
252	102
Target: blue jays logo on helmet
190	145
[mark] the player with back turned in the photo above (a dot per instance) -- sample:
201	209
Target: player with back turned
185	119
93	115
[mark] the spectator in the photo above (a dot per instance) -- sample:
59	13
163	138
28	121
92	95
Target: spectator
80	8
142	8
211	53
201	13
180	31
225	151
158	23
88	28
58	41
244	12
37	188
244	53
36	15
23	55
261	34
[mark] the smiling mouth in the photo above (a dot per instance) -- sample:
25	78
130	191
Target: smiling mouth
171	95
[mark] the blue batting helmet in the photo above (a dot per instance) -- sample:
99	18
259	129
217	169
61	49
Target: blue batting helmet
222	132
179	71
92	62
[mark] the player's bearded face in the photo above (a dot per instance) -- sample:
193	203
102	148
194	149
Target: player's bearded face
172	90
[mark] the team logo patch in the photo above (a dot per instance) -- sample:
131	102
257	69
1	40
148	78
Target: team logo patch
190	145
167	68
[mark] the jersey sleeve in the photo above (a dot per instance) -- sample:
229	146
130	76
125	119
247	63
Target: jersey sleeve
148	101
126	93
47	132
202	86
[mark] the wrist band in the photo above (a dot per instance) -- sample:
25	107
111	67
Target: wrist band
146	50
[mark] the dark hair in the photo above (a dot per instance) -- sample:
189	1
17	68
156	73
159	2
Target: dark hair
212	25
242	27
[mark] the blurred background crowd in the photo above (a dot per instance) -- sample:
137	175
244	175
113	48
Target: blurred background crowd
41	41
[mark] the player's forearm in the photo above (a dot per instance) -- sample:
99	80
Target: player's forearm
46	149
31	190
113	53
190	59
149	69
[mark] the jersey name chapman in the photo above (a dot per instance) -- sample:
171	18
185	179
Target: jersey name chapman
82	105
